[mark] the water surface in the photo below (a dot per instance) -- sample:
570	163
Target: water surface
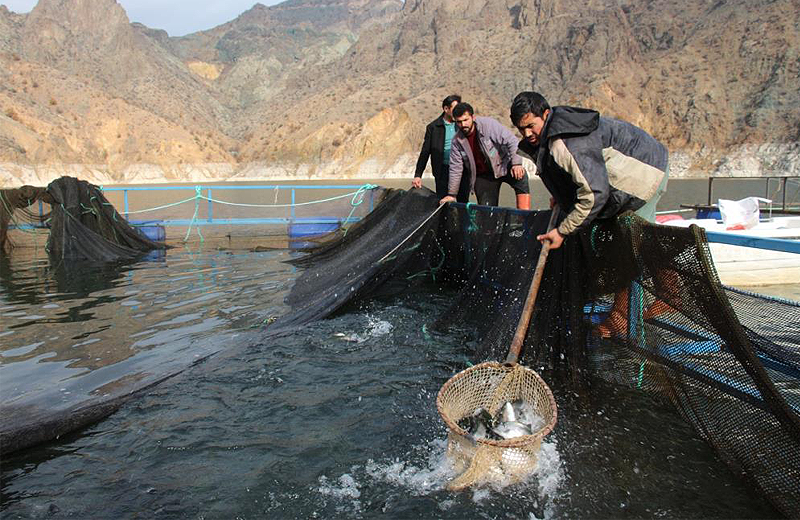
335	420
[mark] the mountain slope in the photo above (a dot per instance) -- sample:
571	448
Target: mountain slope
344	87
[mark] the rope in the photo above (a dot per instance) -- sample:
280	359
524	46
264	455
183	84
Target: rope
471	213
432	270
387	255
13	218
166	205
641	374
360	192
199	195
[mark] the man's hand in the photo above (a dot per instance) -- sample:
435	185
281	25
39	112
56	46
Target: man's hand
447	199
517	171
553	236
417	182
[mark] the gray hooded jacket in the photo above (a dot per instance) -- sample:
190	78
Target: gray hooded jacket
595	167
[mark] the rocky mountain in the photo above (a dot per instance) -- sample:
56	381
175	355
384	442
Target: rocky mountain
343	88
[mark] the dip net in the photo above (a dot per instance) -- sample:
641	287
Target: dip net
489	386
728	361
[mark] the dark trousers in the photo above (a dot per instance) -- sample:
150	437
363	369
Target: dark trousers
442	182
487	188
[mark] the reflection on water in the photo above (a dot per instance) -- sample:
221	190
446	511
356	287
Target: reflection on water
70	330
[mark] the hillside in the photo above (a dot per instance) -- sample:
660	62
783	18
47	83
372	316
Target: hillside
343	88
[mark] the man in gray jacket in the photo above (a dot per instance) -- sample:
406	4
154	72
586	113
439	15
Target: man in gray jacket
486	152
594	167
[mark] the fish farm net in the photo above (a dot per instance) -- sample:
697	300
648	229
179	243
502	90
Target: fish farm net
729	362
265	217
80	222
488	386
627	301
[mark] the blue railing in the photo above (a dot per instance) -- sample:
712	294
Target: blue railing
205	194
772	244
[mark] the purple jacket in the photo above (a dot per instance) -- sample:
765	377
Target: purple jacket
498	144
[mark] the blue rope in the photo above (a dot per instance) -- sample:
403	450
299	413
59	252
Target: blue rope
198	196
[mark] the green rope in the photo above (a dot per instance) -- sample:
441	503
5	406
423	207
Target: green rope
641	374
210	199
197	197
359	194
432	270
471	213
167	205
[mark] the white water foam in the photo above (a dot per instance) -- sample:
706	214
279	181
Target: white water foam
433	475
375	328
345	490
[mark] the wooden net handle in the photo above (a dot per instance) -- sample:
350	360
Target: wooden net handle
530	301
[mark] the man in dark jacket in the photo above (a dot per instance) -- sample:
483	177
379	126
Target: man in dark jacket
436	146
594	167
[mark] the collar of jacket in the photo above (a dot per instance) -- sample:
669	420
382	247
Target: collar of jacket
440	120
570	120
478	125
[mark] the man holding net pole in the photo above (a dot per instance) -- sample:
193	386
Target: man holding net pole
595	168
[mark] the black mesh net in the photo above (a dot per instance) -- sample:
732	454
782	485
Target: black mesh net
83	224
728	360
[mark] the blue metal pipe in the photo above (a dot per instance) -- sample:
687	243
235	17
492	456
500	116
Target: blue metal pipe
772	244
272	187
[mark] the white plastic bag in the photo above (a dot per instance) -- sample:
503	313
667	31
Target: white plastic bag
739	214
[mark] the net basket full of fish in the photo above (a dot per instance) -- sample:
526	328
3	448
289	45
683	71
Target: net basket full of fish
497	416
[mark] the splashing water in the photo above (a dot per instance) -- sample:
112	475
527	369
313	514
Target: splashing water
430	476
375	328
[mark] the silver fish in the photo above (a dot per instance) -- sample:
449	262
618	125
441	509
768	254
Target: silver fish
508	414
511	430
479	425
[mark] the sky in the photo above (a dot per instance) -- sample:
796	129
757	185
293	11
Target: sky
177	17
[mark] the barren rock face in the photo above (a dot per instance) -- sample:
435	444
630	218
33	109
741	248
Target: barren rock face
346	86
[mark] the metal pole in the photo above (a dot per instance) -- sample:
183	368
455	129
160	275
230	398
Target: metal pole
125	195
210	207
710	182
784	193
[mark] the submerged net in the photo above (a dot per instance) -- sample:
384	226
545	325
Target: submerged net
82	224
727	361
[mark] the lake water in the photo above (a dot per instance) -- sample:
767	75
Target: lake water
335	420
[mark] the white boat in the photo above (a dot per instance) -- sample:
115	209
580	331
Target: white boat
753	264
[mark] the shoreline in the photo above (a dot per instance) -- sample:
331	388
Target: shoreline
755	161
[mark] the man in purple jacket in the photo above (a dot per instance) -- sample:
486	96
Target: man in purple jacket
486	152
